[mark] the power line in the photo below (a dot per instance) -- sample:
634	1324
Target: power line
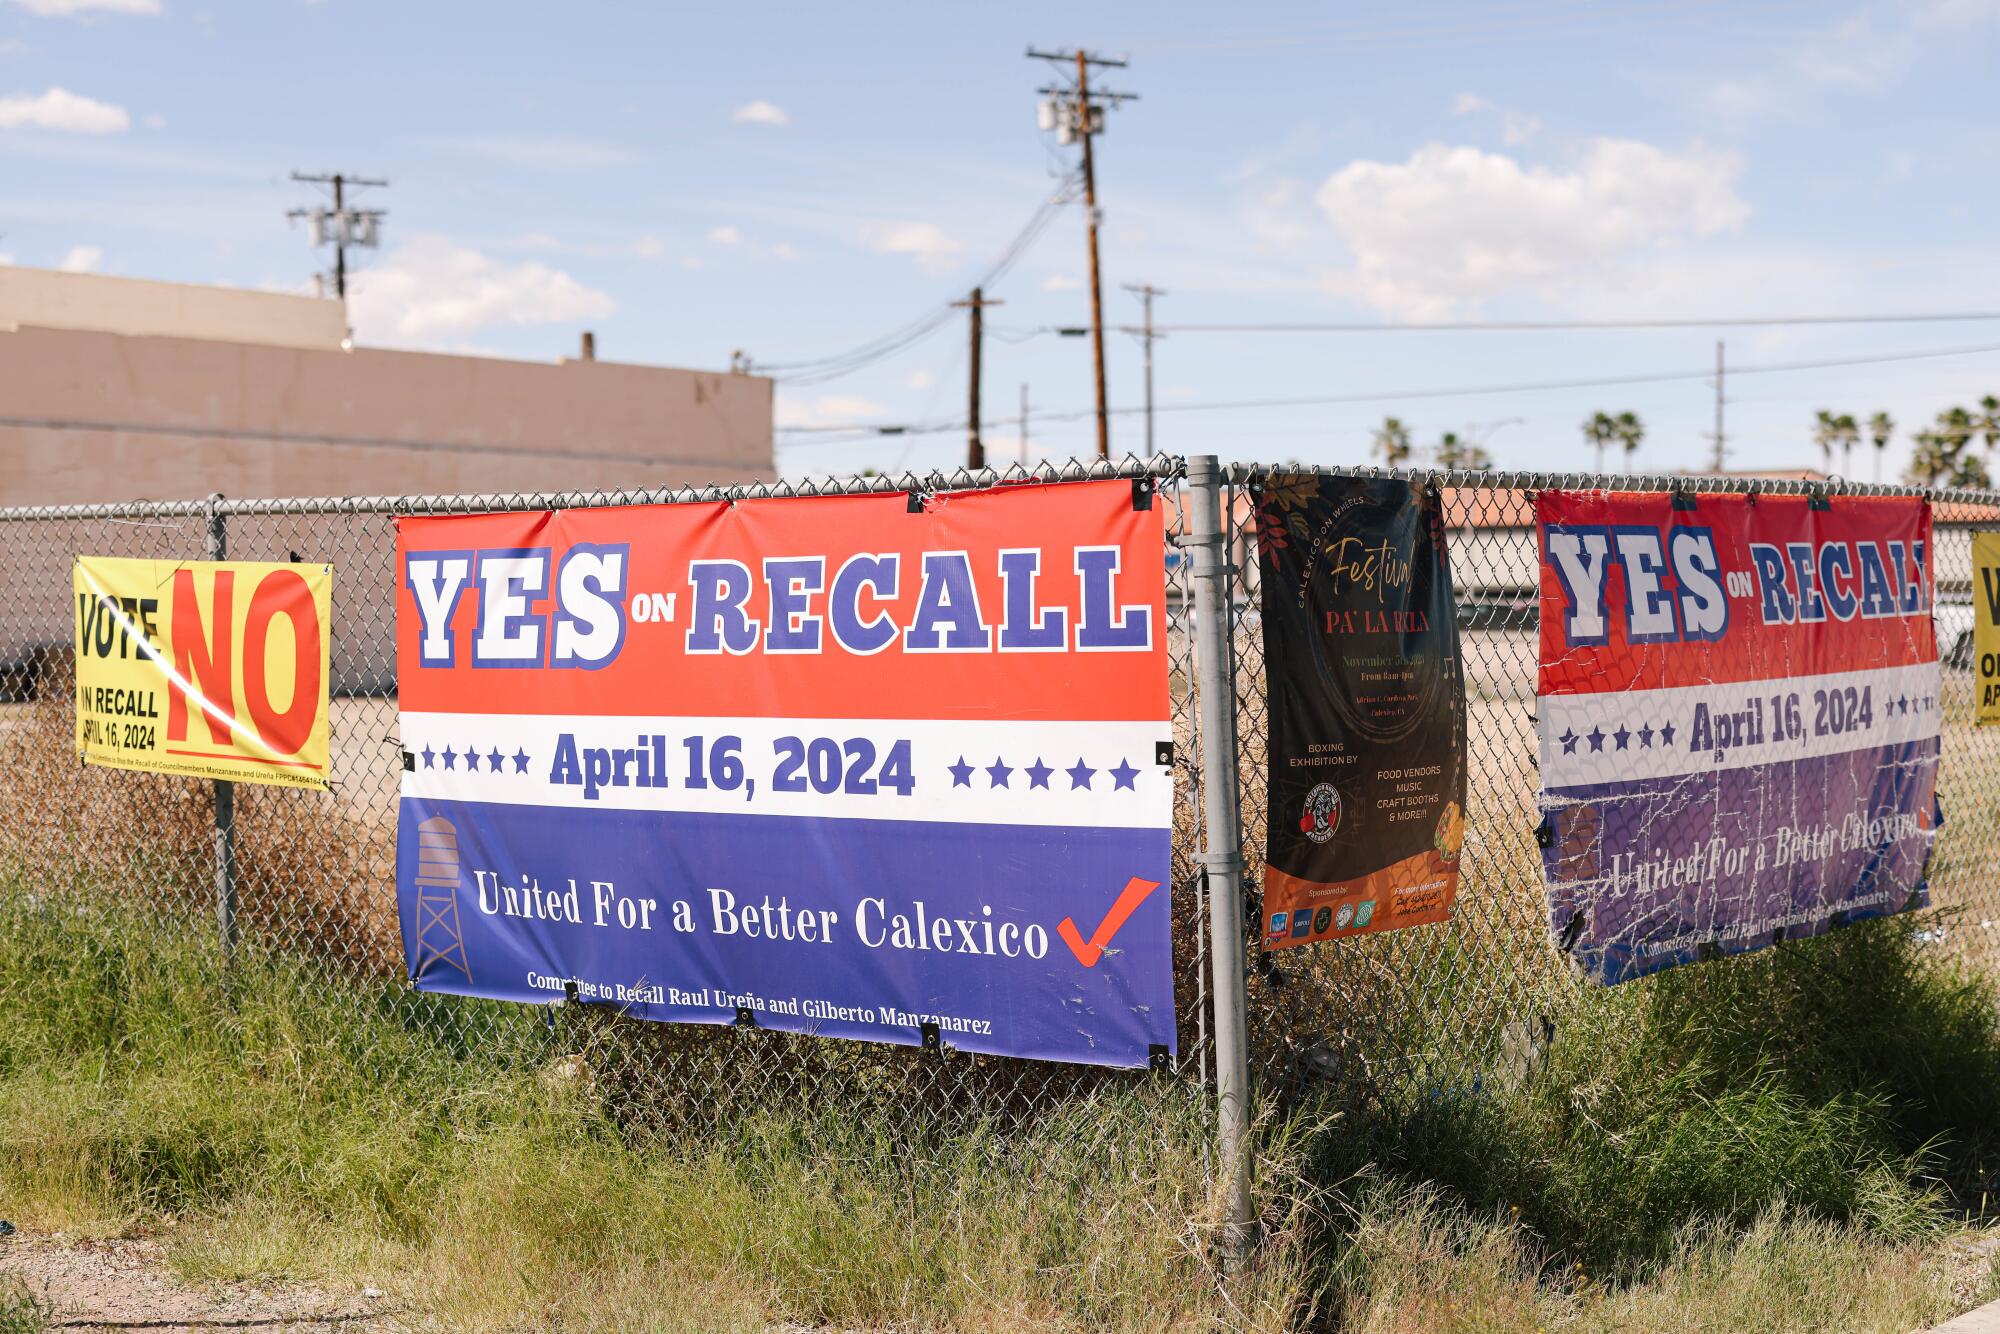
819	370
1541	326
861	432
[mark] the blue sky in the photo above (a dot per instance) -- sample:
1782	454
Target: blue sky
796	180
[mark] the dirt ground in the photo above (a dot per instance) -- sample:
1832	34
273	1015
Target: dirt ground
125	1285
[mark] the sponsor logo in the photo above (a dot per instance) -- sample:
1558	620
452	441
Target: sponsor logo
1322	920
1321	817
1344	916
1277	924
1302	924
1364	912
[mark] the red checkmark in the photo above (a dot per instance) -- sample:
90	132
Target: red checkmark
1088	952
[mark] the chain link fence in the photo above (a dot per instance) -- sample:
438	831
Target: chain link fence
311	875
1404	1016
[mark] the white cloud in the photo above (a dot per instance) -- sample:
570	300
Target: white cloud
828	410
1516	127
6	258
760	112
73	8
784	251
539	152
1862	53
431	289
1060	282
81	259
61	109
927	243
1456	224
649	247
920	380
154	121
13	46
725	235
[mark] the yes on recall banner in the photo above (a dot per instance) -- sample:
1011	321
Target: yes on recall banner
1366	745
1738	717
1986	624
213	669
823	765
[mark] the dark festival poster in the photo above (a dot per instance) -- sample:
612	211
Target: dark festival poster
1366	744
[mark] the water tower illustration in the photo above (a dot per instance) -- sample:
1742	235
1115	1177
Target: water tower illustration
439	942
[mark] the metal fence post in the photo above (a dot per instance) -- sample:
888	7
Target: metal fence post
1222	853
225	791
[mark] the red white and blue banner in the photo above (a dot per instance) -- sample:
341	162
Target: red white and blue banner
1738	715
859	766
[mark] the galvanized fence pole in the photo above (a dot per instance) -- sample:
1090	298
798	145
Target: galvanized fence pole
1222	851
225	791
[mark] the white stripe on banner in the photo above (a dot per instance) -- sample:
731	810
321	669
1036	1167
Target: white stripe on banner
1072	774
1638	734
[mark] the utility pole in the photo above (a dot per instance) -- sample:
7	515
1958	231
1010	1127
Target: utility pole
1146	292
341	225
1075	112
1716	464
1024	424
975	449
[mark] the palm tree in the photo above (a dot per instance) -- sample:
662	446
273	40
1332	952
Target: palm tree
1392	442
1941	453
1879	428
1599	429
1988	422
1824	434
1463	455
1628	430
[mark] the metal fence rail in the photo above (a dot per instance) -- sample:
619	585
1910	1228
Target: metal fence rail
310	876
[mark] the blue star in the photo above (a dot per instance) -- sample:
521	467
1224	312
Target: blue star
961	773
1596	739
1899	704
1079	775
520	761
997	772
1624	737
450	758
1646	737
1667	735
493	761
1038	773
471	758
1123	775
430	757
1568	738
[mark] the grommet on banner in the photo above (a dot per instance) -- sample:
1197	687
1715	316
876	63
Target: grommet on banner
1545	833
915	503
1818	499
409	761
1708	951
1684	499
1163	752
1777	935
933	1040
745	1018
569	992
1157	1059
1142	493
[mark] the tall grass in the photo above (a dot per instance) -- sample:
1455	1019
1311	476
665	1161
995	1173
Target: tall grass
1781	1142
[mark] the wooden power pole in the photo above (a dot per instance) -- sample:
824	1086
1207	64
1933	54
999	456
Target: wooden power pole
975	448
1075	112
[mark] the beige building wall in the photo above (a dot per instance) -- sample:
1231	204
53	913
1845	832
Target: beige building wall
88	417
50	299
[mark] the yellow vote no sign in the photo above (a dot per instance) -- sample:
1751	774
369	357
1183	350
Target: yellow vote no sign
214	669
